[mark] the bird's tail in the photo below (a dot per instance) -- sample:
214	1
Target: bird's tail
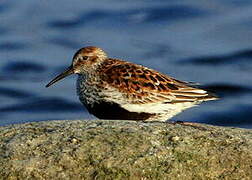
210	97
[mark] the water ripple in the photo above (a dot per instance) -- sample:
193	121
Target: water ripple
148	15
13	93
44	105
237	57
23	65
4	6
64	43
239	115
225	90
12	46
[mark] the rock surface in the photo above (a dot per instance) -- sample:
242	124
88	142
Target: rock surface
124	150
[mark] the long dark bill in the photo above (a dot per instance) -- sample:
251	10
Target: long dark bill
67	72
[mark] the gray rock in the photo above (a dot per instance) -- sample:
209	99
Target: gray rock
124	150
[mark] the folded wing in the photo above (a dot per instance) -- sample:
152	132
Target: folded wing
141	85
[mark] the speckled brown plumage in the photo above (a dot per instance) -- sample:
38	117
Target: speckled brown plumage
117	89
144	85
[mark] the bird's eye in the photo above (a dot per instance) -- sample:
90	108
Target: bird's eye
84	57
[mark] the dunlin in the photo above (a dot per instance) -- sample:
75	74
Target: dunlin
116	89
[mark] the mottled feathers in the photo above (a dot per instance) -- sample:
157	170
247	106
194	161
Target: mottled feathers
144	85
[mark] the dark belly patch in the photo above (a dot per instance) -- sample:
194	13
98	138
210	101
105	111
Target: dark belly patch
113	111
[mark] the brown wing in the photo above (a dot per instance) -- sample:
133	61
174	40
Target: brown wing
144	85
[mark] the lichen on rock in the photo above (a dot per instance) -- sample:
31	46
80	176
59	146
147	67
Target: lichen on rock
100	149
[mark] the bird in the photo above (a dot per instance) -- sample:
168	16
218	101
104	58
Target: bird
116	89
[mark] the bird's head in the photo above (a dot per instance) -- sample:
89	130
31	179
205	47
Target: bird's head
85	60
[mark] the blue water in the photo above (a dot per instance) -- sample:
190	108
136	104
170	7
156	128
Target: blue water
209	42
